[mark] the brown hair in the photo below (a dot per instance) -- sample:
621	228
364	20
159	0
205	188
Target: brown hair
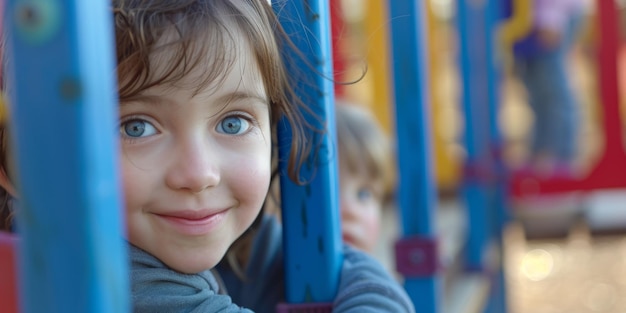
364	147
6	215
192	29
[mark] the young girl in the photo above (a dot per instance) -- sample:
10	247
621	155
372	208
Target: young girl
202	85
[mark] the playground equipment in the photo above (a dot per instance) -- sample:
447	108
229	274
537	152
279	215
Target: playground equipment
416	252
378	59
433	276
483	181
371	32
8	276
312	241
447	164
69	208
516	27
337	28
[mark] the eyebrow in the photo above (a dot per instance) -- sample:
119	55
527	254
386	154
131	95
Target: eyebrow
226	99
149	99
242	95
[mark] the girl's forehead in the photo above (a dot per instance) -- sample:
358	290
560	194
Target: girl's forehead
210	60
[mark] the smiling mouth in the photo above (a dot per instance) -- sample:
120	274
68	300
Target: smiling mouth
348	238
193	223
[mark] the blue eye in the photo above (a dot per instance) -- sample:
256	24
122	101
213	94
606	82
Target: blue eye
137	128
364	194
233	125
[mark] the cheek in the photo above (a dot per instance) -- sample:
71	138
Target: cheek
142	169
250	179
347	195
371	221
133	194
135	183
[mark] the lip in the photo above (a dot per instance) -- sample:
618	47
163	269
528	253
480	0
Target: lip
347	238
194	223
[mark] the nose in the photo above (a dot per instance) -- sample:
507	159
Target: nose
348	211
195	167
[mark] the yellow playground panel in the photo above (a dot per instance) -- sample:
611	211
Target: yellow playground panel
514	29
366	38
446	121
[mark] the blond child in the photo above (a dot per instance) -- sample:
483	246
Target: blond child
367	174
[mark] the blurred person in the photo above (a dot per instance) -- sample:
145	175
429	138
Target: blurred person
366	174
541	63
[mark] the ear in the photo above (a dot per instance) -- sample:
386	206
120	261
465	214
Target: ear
5	183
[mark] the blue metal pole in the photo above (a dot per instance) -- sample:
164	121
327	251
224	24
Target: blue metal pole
63	109
475	42
416	252
484	182
310	213
495	13
500	205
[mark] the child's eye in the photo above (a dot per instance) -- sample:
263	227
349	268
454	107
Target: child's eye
364	194
233	125
137	128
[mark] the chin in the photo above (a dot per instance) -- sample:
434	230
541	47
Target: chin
191	262
192	267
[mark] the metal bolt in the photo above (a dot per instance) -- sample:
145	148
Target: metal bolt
70	89
28	15
37	20
417	256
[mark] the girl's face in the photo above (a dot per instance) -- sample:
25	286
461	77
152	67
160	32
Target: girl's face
361	206
196	165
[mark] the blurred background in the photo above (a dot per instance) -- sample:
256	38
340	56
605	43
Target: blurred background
561	252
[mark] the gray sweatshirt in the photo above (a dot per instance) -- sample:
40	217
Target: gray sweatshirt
364	284
157	288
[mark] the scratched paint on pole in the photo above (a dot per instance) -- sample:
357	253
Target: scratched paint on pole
311	212
63	112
